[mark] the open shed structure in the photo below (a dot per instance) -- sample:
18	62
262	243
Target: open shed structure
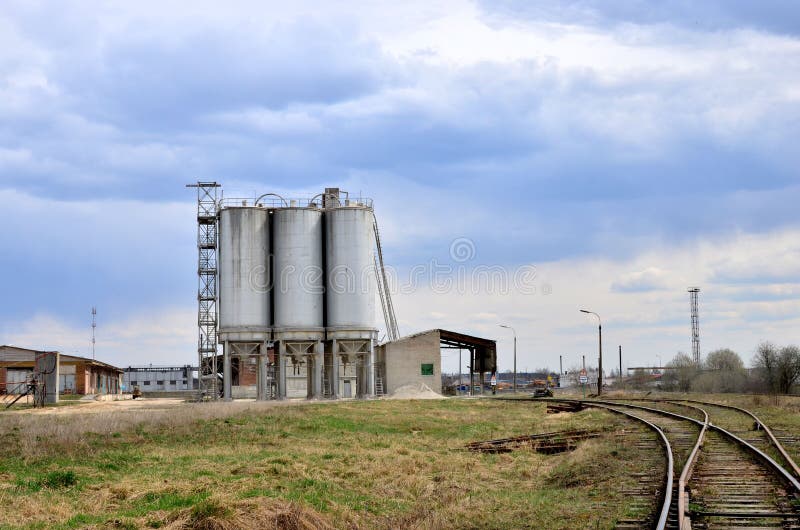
416	359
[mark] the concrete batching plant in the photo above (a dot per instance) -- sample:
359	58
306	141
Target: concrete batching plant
288	288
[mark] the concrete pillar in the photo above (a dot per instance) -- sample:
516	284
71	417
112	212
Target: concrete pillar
335	370
472	371
261	379
281	370
319	364
226	372
309	360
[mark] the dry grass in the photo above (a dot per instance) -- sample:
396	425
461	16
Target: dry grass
376	464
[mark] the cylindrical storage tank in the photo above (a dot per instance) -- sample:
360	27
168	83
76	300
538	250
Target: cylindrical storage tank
349	250
298	277
243	270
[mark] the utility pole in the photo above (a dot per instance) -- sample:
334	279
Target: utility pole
620	363
515	353
560	365
584	362
600	350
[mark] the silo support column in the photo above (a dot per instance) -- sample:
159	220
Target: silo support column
261	387
319	365
226	371
281	370
335	370
371	390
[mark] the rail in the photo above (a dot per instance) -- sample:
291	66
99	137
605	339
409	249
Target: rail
684	522
666	500
667	497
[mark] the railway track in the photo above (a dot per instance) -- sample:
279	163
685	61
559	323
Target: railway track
748	426
725	481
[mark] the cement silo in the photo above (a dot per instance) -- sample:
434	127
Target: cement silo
299	299
298	274
350	298
244	319
295	293
350	294
244	310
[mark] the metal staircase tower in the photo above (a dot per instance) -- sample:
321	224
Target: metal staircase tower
389	317
208	371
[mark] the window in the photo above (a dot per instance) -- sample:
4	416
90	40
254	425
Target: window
427	368
173	382
147	383
160	382
134	383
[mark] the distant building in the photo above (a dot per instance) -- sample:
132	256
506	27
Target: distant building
76	375
160	378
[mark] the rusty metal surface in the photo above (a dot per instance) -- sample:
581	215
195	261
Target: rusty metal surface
548	442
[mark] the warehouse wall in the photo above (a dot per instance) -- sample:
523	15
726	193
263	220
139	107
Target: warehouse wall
407	358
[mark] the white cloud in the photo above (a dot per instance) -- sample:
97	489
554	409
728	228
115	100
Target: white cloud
165	336
645	322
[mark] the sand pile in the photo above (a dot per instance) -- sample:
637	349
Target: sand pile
415	391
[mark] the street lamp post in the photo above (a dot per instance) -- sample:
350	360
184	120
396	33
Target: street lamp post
515	354
600	348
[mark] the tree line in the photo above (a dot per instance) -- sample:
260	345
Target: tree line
773	370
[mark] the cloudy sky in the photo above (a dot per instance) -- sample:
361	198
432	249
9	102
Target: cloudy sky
614	155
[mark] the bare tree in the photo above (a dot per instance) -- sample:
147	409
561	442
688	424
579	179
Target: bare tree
766	364
788	368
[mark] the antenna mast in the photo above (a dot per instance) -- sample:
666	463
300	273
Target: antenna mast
94	326
693	292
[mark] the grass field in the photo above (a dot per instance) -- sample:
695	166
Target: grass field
356	464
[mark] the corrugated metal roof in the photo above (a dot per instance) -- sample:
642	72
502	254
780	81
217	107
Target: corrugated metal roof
15	354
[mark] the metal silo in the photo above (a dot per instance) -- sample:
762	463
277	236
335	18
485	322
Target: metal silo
244	310
298	277
350	293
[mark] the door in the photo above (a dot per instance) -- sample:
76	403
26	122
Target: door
17	380
347	390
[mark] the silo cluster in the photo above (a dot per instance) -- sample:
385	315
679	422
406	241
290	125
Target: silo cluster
296	296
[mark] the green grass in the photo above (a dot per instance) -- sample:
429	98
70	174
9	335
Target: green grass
356	464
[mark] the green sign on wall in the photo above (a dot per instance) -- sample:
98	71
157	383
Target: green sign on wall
427	368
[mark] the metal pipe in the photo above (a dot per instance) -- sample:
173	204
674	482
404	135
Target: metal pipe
273	195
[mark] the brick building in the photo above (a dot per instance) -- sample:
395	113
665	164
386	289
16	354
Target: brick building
76	375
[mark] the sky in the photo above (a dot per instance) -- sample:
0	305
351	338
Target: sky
578	154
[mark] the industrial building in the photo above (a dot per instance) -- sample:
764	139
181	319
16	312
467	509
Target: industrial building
63	374
417	360
160	378
288	289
